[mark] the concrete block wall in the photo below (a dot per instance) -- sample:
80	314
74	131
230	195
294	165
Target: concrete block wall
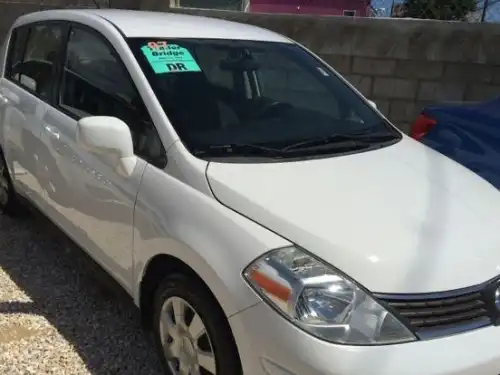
402	65
10	11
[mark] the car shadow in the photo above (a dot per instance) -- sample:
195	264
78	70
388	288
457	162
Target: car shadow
67	288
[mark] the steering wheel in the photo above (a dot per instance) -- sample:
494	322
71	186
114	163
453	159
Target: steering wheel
272	107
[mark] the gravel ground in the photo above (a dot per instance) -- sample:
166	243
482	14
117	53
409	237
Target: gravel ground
59	313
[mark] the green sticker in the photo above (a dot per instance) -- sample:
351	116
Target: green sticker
169	58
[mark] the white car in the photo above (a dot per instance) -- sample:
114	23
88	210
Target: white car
262	214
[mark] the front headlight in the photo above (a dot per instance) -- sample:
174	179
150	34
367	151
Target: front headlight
322	301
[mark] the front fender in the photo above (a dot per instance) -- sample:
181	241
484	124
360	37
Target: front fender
217	243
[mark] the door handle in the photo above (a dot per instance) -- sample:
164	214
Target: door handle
3	100
7	96
53	133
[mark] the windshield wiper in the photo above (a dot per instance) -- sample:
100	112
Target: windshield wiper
354	139
240	149
334	141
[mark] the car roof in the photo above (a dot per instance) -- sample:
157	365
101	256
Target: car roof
135	23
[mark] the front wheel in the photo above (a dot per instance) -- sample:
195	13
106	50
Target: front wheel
191	332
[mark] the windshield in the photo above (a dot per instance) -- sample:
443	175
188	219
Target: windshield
238	98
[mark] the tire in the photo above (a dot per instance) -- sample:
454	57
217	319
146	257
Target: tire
186	293
9	203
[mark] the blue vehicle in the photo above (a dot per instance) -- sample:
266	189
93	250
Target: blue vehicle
468	133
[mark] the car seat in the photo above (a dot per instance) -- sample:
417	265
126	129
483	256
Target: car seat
191	102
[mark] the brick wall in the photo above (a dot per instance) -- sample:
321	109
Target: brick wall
402	65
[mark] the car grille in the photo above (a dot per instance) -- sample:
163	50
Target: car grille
433	316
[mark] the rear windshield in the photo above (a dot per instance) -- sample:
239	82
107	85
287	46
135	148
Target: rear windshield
234	92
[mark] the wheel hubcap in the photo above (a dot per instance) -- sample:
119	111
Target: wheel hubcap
185	340
4	184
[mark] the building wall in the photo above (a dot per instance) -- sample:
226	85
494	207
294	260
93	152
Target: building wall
401	64
325	7
212	4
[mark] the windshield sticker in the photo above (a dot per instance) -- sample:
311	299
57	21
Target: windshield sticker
169	58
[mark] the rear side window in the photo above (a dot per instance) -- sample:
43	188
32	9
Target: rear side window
34	56
16	49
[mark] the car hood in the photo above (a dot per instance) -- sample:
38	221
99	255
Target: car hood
400	219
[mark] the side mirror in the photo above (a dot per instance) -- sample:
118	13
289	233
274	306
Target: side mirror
372	103
110	137
28	82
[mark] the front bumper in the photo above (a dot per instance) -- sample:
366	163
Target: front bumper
270	345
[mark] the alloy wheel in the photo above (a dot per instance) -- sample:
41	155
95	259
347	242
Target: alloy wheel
185	341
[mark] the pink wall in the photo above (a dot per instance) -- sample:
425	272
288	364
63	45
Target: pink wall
329	7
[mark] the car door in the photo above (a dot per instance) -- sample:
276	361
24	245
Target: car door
25	89
96	204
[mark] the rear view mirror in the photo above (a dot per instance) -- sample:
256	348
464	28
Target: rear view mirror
108	136
237	60
245	64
